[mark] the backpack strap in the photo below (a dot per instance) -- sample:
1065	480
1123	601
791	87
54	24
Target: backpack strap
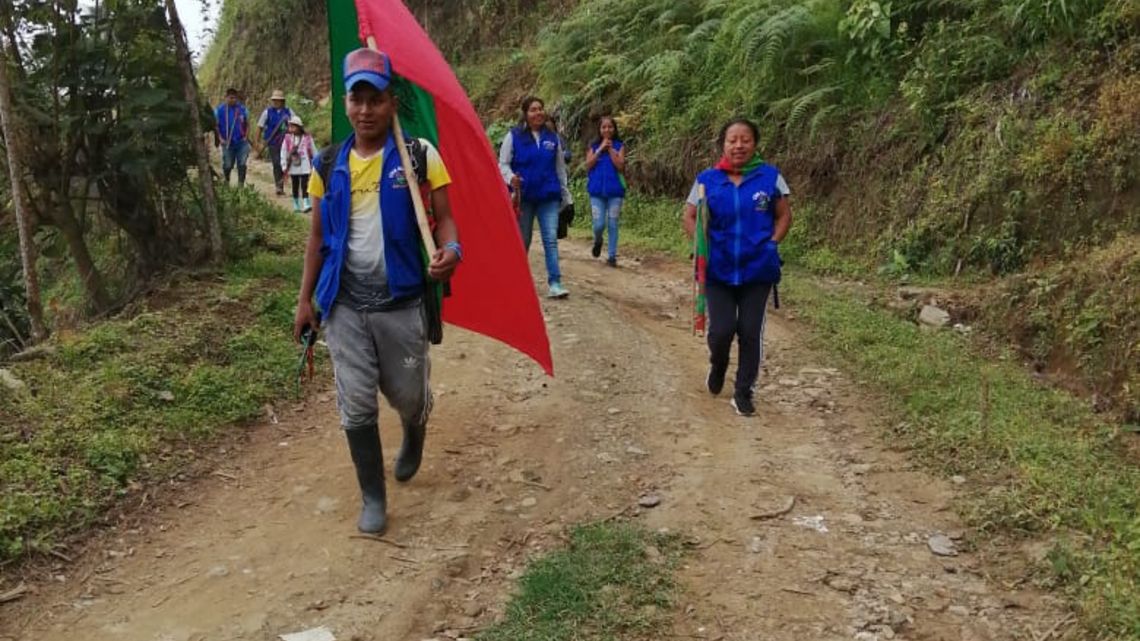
416	150
324	169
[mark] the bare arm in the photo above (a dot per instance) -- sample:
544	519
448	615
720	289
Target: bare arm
306	315
591	158
619	158
689	219
783	219
445	260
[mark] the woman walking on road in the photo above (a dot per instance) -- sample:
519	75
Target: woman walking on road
605	161
297	152
532	163
748	215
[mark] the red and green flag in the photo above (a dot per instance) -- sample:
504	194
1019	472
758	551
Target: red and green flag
492	292
700	266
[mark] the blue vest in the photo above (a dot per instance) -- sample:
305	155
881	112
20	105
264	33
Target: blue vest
740	223
275	129
232	122
604	180
402	253
536	164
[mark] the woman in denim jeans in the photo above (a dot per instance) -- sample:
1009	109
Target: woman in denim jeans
605	160
531	162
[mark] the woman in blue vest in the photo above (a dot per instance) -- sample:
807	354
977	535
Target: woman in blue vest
605	160
748	216
531	162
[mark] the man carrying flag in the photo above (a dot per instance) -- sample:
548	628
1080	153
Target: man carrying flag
364	265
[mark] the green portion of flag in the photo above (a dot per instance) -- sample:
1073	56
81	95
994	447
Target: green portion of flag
343	38
417	110
700	267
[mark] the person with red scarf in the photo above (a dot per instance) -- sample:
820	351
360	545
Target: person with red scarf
748	215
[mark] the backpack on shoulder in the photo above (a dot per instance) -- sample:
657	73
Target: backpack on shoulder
434	292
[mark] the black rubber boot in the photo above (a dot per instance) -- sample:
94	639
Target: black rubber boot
411	451
364	445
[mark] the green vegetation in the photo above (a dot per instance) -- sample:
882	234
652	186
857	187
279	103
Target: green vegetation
647	222
614	581
317	117
262	45
1078	318
971	128
134	397
103	137
1040	462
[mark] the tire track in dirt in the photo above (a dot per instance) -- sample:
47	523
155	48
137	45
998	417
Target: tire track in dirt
513	459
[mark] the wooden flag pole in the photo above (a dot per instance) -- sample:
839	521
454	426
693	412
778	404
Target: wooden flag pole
410	173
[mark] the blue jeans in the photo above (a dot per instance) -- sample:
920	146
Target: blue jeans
238	153
605	213
547	213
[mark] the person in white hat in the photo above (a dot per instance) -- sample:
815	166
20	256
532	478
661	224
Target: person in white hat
296	159
271	131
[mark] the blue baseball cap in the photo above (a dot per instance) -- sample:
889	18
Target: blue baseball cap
367	65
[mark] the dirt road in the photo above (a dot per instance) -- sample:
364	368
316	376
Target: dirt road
266	546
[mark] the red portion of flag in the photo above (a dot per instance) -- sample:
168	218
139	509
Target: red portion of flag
493	293
700	278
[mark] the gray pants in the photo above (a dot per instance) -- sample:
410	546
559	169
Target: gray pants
379	351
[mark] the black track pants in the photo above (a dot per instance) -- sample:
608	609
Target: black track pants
737	311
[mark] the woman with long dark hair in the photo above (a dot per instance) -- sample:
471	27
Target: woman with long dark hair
748	215
531	162
605	161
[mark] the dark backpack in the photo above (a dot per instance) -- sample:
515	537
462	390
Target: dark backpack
434	292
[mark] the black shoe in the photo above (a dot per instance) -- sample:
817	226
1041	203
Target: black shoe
742	403
597	249
411	452
612	261
715	380
364	445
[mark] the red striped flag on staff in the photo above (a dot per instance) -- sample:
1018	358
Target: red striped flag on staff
700	266
492	292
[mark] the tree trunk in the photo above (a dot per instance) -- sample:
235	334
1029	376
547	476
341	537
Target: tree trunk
23	223
205	176
64	218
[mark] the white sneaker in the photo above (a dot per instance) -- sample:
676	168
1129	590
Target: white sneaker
557	291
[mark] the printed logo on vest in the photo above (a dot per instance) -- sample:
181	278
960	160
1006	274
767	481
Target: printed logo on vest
762	200
399	178
549	145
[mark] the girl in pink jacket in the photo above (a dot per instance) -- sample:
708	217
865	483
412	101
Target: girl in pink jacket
297	152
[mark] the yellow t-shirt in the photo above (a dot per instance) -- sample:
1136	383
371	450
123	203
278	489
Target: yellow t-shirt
366	282
366	171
